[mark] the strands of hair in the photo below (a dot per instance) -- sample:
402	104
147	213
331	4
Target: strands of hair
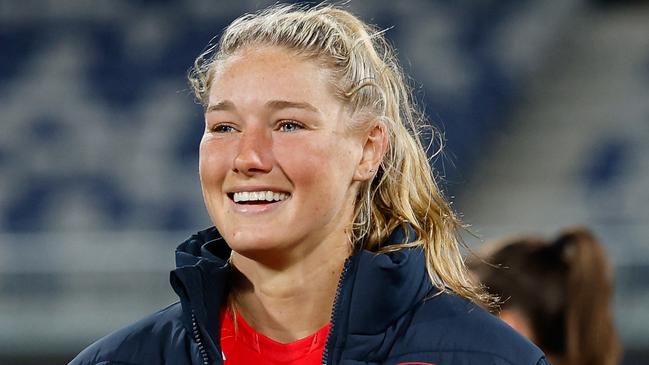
366	75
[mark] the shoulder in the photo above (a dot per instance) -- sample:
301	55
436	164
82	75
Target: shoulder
450	324
147	339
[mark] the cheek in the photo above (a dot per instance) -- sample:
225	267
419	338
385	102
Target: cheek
324	165
211	161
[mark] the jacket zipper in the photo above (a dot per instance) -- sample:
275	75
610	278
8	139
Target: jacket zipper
199	340
334	312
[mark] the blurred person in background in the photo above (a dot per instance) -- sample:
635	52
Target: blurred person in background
555	292
332	242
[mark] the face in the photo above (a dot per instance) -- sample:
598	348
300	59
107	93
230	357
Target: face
278	167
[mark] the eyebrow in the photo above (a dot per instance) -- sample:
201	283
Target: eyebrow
221	105
227	105
283	104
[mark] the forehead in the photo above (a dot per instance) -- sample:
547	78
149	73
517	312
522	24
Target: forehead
270	71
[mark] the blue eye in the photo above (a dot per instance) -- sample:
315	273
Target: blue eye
290	126
222	128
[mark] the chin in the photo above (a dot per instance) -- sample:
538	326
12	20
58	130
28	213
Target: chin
252	245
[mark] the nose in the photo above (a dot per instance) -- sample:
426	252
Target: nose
254	155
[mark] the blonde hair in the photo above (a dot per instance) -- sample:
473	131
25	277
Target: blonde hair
365	74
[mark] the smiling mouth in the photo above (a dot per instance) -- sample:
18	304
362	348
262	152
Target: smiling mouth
258	197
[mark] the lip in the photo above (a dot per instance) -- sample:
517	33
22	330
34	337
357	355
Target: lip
241	189
256	208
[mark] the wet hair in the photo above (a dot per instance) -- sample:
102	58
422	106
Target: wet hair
366	76
562	287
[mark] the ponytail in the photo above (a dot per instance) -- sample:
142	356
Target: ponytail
589	332
562	287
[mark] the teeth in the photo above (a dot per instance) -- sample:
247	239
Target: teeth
247	196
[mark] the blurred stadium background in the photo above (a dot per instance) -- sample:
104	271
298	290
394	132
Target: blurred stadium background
544	105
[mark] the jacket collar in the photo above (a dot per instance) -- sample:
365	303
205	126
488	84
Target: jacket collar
385	287
377	289
201	278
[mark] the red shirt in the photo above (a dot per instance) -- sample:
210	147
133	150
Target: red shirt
246	346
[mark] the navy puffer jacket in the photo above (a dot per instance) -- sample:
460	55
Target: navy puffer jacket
386	312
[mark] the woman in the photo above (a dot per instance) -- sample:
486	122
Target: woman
332	244
556	293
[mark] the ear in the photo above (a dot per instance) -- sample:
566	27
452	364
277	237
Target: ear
375	144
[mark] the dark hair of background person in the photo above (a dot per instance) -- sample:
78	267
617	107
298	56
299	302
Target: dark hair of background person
562	287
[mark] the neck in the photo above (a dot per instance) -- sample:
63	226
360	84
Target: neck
556	359
293	300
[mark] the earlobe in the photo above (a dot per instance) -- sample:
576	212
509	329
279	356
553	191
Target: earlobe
374	148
